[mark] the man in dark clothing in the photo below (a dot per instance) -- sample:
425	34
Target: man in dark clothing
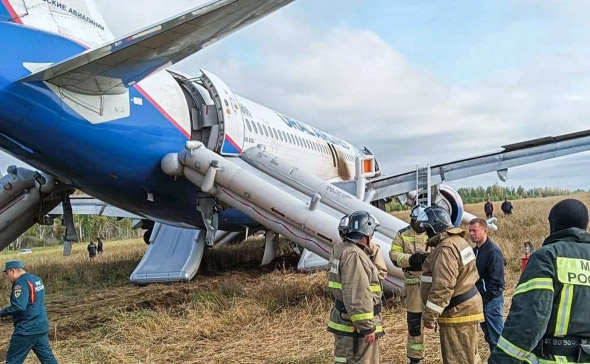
506	207
99	246
27	308
491	284
549	321
91	249
488	209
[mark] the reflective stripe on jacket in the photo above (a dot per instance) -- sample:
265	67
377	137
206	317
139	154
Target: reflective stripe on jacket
450	271
407	242
354	280
550	300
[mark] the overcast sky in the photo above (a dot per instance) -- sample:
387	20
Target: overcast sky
414	81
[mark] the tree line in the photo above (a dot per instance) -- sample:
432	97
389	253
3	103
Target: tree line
88	228
498	193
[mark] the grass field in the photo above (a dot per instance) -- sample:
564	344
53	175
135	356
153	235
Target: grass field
241	315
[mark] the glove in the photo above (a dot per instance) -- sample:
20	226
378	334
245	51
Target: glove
417	259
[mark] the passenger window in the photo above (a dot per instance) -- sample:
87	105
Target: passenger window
265	130
248	125
254	126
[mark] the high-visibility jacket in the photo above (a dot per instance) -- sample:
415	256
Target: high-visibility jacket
354	281
407	242
448	272
550	301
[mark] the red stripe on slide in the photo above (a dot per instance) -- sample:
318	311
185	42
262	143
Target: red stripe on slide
162	111
11	11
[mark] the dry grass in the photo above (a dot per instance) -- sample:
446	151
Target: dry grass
239	316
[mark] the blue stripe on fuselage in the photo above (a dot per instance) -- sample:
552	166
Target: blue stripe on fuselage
117	161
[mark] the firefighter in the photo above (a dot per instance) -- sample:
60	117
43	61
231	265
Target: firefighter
549	321
355	283
408	251
448	288
27	308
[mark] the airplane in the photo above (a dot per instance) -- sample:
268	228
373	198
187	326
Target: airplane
108	116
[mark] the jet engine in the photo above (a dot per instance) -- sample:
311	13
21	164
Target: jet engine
25	198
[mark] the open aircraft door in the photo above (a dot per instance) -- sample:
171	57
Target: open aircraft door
229	114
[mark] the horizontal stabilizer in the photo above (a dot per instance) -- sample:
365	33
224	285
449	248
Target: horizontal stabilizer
112	68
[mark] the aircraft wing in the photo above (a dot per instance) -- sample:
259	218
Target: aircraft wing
510	156
112	68
87	205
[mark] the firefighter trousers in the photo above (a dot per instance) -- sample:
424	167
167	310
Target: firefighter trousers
459	344
365	354
415	344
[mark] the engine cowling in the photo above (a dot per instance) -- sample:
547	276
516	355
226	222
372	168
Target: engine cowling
25	197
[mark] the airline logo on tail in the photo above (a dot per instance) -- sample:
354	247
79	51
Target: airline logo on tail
78	20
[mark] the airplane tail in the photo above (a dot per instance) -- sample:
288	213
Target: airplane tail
78	20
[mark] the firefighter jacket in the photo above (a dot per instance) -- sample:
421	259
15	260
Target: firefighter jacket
407	242
353	280
377	258
27	306
448	276
550	301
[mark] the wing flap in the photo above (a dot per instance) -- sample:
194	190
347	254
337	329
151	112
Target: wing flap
112	68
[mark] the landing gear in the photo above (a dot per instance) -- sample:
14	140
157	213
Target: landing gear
209	209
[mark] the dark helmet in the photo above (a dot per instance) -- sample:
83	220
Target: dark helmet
356	225
435	220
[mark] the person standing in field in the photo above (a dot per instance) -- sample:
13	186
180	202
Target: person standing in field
408	252
448	290
355	282
488	209
27	308
91	250
99	246
491	283
549	320
507	207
